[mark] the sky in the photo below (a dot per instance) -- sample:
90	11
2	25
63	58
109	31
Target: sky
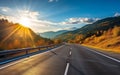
54	15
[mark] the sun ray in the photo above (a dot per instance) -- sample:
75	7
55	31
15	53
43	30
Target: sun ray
12	33
31	38
19	34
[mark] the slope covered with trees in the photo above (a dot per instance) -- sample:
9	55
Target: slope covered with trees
104	34
14	36
88	30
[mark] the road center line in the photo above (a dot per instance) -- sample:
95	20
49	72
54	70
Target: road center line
104	55
66	69
70	53
68	64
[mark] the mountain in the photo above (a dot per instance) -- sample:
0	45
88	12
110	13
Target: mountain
14	36
52	34
70	28
91	29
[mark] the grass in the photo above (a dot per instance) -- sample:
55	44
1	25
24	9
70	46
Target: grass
109	44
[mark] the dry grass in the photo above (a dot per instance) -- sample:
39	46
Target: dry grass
108	44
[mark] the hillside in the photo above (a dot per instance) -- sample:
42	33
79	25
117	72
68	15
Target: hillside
91	29
109	40
103	33
14	36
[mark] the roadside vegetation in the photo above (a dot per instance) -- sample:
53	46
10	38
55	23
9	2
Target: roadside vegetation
109	40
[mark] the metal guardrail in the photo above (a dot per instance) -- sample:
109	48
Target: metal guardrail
7	54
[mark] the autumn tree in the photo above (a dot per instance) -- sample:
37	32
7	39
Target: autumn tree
79	38
57	41
116	31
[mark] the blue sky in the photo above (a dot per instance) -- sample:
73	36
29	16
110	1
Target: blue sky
53	15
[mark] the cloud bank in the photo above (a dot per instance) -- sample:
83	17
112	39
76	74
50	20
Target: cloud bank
52	0
40	25
80	21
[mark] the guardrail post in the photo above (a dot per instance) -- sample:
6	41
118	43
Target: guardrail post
26	51
47	48
39	49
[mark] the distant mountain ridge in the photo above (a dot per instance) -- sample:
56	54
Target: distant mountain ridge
53	34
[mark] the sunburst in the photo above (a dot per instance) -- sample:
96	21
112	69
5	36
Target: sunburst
24	21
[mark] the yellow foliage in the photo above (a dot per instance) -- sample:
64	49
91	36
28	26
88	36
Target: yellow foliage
116	31
99	39
57	41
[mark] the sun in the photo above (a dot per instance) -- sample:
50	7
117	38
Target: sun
25	21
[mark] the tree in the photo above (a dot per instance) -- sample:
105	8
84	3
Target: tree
57	41
116	31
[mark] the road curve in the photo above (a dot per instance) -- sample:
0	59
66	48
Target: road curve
69	59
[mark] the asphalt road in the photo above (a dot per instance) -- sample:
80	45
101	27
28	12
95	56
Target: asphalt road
69	59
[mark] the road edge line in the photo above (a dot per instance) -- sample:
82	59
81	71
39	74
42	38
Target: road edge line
114	59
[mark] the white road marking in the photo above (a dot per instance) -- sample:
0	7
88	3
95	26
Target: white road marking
68	64
66	69
70	53
104	55
24	59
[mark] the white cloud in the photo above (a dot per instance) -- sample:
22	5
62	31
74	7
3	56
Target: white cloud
117	14
52	0
4	9
29	14
36	24
79	21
